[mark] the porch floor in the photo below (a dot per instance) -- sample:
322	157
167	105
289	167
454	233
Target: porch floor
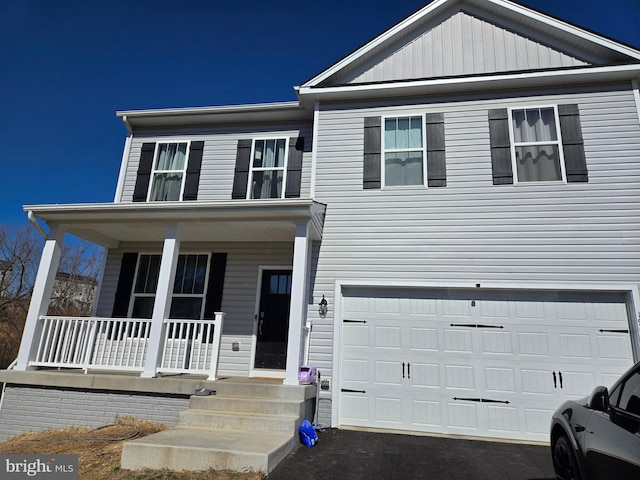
179	384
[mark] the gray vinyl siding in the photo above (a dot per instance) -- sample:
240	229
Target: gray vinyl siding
472	231
462	44
219	157
109	284
239	294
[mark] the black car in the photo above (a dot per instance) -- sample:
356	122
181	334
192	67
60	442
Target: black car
599	437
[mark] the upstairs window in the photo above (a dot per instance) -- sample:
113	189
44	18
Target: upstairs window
268	168
536	147
404	151
169	169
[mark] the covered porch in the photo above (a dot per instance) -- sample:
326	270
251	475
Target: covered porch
156	344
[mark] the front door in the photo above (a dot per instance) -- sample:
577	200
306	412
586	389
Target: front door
273	320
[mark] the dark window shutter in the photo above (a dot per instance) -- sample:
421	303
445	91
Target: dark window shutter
572	144
241	176
193	171
125	284
213	302
294	167
372	176
144	172
500	146
436	161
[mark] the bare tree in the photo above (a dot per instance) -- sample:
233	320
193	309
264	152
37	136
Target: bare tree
74	288
20	250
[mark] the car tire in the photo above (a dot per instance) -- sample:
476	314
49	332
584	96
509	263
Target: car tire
564	460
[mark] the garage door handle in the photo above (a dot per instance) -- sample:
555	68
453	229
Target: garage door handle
402	369
560	377
555	380
613	331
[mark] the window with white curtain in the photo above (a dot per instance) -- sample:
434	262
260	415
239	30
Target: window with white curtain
168	172
404	151
189	287
268	168
536	149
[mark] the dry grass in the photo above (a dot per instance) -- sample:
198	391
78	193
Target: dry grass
99	452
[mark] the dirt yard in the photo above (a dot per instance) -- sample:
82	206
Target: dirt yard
99	452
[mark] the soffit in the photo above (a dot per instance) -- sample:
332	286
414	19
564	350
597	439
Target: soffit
243	221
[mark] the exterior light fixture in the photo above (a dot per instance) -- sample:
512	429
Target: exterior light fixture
323	307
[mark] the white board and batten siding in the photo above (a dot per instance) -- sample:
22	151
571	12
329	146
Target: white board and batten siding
462	44
238	298
534	237
219	157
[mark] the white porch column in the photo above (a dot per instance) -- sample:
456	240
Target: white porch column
297	315
162	304
41	296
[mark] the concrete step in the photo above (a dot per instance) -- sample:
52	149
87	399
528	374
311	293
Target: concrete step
247	425
243	387
249	422
257	405
201	449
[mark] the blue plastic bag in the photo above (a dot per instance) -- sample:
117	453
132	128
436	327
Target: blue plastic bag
308	435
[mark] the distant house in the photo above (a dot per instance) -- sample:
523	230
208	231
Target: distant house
462	191
72	291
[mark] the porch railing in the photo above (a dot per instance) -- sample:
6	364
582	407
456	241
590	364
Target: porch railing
121	344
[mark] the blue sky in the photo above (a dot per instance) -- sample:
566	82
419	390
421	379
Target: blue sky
66	66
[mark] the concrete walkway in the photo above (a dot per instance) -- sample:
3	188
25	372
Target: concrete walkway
353	455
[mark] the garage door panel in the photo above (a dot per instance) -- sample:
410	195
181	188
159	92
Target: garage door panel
500	342
456	340
425	375
614	346
462	416
387	373
424	339
388	337
493	364
426	413
356	372
502	419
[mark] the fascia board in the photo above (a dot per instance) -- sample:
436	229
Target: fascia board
465	84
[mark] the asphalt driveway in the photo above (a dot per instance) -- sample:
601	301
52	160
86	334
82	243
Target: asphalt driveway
348	455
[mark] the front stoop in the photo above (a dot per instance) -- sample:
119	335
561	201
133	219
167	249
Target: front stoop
247	425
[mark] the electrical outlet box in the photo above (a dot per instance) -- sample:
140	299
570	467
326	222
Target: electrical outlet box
325	384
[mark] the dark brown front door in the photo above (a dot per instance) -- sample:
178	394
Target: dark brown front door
273	320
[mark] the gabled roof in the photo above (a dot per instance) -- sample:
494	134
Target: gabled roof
474	39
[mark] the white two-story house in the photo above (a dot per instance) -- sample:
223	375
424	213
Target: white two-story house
446	223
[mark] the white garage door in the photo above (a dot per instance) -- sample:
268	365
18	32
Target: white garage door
491	364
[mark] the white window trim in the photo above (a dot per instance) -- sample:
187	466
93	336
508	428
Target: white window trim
154	171
513	146
263	169
383	151
135	295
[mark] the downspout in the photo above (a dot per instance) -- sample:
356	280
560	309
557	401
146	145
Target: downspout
34	222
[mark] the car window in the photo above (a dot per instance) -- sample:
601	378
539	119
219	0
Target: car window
630	395
614	395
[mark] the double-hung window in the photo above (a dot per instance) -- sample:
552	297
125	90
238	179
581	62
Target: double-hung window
169	172
536	147
268	168
189	288
404	152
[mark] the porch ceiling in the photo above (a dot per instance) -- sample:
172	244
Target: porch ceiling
110	224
